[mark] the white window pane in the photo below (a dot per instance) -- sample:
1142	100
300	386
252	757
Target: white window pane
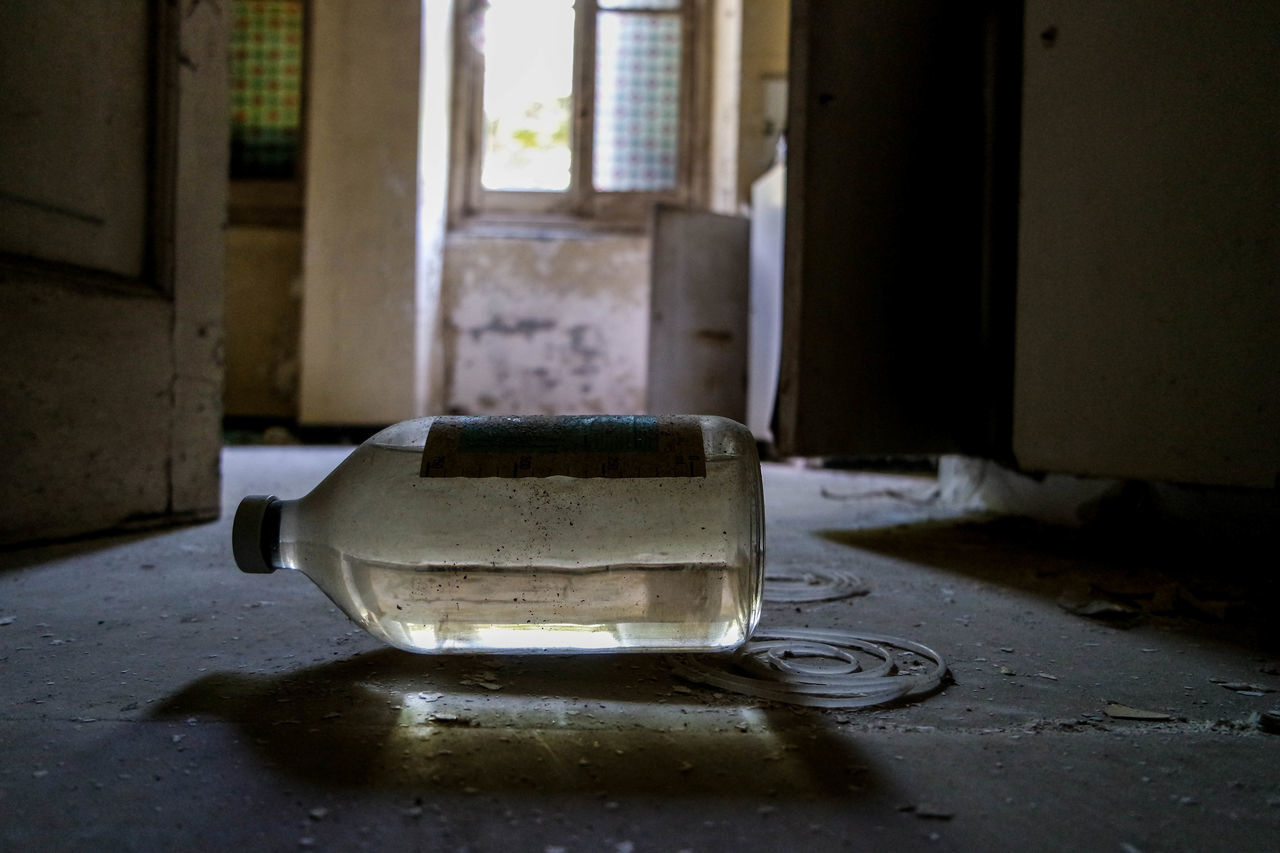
528	84
637	101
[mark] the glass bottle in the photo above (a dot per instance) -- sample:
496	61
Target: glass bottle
532	534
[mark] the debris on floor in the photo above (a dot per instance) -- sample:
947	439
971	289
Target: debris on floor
1094	607
1124	712
927	811
1244	688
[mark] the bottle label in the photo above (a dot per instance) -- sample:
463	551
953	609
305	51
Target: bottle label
568	446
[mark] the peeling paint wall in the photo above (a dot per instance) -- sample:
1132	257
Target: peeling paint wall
535	326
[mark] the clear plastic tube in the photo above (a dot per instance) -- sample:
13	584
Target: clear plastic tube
822	669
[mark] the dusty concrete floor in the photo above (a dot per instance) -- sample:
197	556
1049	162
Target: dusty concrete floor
155	698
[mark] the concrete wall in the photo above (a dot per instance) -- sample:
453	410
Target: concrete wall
1147	336
546	326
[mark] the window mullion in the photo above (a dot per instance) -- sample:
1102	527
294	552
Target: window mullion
583	105
695	100
473	108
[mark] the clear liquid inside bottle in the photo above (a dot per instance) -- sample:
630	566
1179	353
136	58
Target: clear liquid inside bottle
536	564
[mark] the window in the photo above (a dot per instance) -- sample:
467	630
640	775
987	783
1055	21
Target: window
577	109
266	70
266	88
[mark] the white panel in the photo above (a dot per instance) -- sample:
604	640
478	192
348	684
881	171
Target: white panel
768	214
698	321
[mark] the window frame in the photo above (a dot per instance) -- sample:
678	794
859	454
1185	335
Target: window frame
581	207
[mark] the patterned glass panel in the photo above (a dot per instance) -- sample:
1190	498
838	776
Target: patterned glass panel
266	88
637	101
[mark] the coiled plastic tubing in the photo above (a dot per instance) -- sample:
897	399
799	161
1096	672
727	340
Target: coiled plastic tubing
819	668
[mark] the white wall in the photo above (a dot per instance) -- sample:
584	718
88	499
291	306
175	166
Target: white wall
726	83
1148	341
364	355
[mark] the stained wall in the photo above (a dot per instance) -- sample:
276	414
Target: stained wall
540	326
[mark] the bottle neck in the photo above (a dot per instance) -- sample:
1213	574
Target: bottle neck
283	545
271	533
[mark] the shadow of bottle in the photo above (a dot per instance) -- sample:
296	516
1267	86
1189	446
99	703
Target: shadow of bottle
593	724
